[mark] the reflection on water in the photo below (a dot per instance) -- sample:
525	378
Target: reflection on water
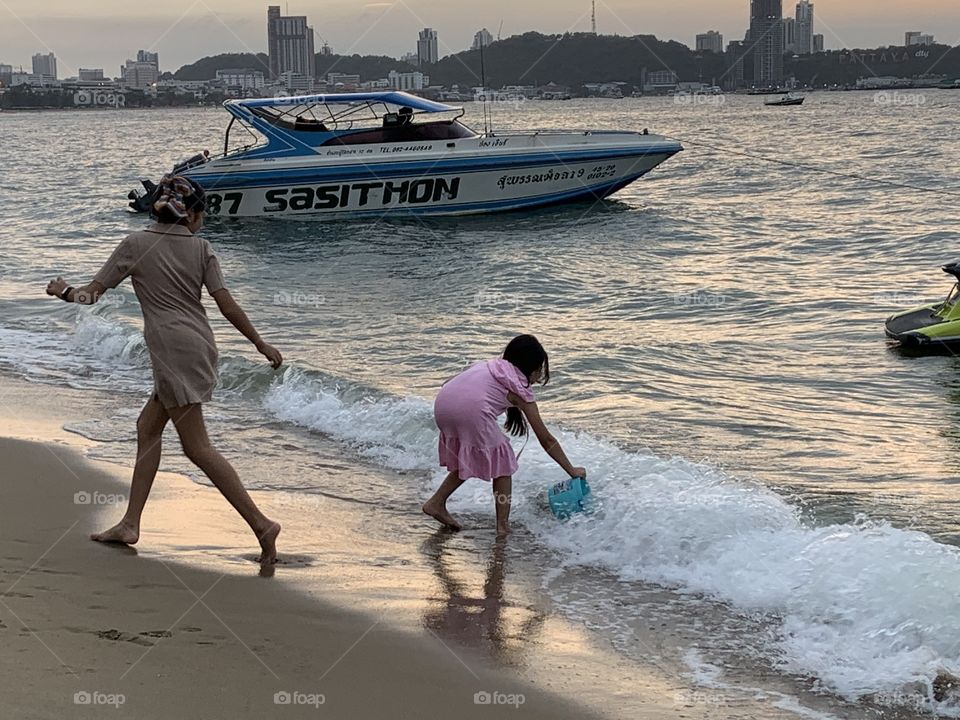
474	614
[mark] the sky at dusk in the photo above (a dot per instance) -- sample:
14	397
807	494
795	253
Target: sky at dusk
103	33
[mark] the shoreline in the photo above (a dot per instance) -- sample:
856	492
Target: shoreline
477	610
80	617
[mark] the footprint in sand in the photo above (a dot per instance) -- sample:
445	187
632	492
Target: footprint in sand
157	633
118	636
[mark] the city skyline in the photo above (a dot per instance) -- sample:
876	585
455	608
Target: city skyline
209	27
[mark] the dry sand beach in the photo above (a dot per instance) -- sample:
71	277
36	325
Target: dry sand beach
82	621
185	627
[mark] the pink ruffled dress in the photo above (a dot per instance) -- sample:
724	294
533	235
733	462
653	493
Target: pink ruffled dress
467	409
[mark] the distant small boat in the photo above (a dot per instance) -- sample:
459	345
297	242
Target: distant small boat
786	101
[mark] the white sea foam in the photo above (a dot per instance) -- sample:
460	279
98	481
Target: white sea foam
867	608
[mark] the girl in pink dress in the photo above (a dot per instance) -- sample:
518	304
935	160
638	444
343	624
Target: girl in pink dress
472	445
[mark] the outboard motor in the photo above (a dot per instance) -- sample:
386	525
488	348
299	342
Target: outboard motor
142	202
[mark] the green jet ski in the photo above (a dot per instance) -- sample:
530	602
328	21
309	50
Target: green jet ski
930	327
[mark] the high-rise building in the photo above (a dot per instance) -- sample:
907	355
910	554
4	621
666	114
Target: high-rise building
45	64
140	75
145	56
790	35
735	56
428	50
482	39
818	43
290	42
142	72
804	20
912	37
6	74
766	39
710	41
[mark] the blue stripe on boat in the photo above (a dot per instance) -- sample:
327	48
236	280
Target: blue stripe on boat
446	166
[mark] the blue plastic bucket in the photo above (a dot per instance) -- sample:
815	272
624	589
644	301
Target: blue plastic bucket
568	496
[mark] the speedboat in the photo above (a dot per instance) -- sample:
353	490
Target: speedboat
372	153
787	100
930	327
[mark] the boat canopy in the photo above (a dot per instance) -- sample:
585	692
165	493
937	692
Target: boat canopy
399	99
298	125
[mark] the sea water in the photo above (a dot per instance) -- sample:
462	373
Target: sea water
717	357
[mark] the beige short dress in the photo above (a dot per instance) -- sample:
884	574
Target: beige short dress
169	265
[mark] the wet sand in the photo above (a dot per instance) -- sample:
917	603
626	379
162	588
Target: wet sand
86	626
186	626
371	611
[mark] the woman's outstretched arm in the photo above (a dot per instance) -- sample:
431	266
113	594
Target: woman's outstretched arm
232	311
86	295
547	441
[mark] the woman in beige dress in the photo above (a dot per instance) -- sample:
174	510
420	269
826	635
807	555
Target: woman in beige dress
169	265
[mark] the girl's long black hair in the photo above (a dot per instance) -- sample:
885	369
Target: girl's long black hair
527	354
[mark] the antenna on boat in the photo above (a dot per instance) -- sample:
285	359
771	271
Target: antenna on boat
483	83
593	17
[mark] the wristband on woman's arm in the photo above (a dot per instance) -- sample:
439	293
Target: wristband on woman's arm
65	295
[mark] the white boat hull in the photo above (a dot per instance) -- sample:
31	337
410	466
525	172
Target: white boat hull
465	191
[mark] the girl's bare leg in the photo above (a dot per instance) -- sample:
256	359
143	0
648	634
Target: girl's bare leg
502	496
153	419
196	444
436	506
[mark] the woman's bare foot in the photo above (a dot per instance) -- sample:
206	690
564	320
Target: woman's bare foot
121	533
268	543
439	513
504	530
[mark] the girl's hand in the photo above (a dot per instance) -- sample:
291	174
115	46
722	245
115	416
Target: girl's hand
579	472
56	287
271	354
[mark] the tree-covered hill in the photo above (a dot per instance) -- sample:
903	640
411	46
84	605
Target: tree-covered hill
574	59
206	68
368	67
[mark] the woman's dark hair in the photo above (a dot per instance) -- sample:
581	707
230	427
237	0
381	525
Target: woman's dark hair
527	354
197	201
